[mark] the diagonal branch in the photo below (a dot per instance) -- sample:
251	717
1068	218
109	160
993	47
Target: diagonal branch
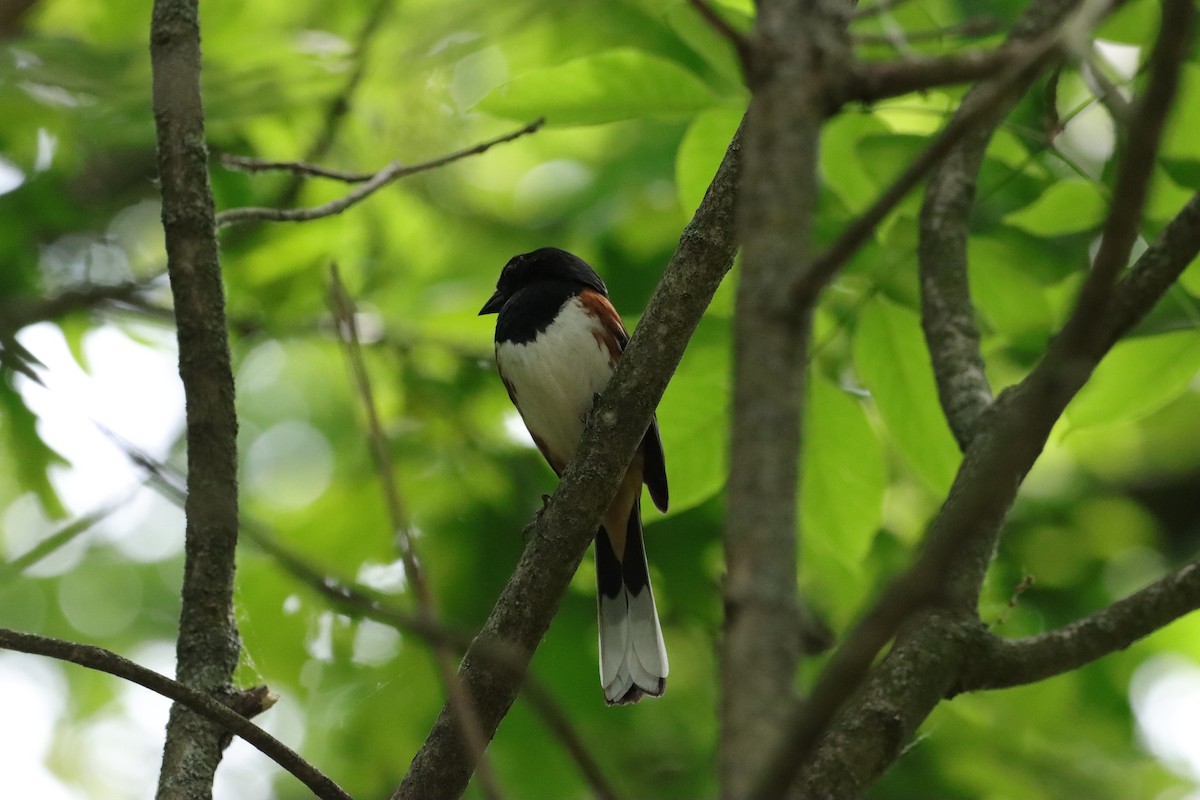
997	663
1006	89
443	766
235	720
389	174
1135	171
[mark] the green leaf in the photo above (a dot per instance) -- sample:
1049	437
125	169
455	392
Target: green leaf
1070	206
29	456
843	480
889	351
1137	378
700	153
694	417
842	166
1011	300
615	85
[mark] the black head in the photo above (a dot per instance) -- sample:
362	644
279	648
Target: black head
547	265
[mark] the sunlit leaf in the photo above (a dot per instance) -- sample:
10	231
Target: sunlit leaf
1069	206
616	85
841	495
694	418
1138	377
890	353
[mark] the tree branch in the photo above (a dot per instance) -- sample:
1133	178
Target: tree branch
1134	173
997	663
794	46
208	646
872	81
947	313
392	172
249	703
562	533
976	26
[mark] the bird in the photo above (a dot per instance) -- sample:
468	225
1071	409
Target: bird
558	340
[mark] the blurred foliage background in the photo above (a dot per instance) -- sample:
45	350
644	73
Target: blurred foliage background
640	98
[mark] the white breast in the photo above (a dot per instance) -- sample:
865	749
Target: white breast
556	376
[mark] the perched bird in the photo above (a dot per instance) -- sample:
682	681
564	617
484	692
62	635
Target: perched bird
558	339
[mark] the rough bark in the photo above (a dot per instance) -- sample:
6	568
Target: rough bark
208	644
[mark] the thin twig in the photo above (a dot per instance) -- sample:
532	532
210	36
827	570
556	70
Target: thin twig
740	42
875	9
978	26
1107	92
302	168
339	106
1136	168
1019	74
383	177
342	307
102	660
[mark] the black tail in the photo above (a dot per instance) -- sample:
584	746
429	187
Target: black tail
633	658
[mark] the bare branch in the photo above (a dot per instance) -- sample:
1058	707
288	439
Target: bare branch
872	81
562	533
392	172
1107	92
875	9
761	645
996	663
1014	81
934	646
339	105
947	314
741	45
343	311
248	703
1133	176
208	646
977	26
300	168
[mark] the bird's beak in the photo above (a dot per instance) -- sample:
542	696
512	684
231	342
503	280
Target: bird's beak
493	305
